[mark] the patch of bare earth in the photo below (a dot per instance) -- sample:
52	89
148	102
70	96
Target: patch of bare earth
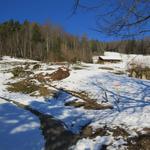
104	131
29	85
87	102
60	74
88	105
20	72
139	142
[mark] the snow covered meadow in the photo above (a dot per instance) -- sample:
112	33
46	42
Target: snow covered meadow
98	101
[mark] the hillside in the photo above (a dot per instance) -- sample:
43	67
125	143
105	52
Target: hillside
98	102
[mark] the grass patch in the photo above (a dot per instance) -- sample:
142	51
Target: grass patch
88	104
20	72
140	142
104	131
24	86
117	131
88	132
43	91
139	72
27	86
59	74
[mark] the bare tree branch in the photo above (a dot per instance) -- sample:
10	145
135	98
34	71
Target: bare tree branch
119	17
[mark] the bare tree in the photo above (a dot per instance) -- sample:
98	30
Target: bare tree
118	17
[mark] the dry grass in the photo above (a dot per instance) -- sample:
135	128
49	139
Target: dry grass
89	104
25	86
139	72
104	131
20	72
41	78
29	86
44	91
90	133
140	142
60	74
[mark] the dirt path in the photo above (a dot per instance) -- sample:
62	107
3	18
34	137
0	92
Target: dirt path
54	132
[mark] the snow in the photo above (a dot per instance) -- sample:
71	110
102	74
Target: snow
111	56
126	60
12	59
19	129
91	144
132	94
130	98
98	143
108	56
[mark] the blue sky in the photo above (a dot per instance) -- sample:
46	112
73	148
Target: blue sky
57	11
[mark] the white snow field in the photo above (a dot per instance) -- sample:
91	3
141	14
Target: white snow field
130	98
19	129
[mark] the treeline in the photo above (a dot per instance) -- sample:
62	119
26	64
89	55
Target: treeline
130	46
49	42
45	42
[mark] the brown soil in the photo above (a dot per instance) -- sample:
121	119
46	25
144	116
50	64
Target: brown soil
24	86
88	132
117	131
147	130
60	74
142	142
27	86
41	78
